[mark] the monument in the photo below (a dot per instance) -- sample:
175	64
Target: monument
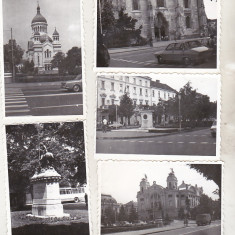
46	191
146	119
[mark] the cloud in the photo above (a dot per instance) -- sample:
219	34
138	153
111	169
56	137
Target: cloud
74	28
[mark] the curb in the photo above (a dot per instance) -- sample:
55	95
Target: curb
140	137
164	230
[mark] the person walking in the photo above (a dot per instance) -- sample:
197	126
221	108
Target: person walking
86	200
105	125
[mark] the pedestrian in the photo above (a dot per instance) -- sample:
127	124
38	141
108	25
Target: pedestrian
104	125
185	221
150	42
86	200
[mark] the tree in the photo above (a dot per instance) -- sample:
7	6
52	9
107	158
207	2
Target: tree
181	213
133	214
28	67
17	53
210	172
109	216
122	214
112	112
64	140
107	16
126	108
207	206
74	61
59	62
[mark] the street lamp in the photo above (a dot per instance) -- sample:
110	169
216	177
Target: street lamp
116	113
179	97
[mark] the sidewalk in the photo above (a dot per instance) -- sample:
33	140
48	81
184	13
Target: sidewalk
155	45
173	226
32	84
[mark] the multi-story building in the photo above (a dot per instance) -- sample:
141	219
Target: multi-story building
166	19
155	201
41	46
128	207
141	89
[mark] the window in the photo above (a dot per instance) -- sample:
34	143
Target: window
121	87
134	102
159	94
186	3
168	96
103	101
164	95
170	47
153	93
112	86
170	195
135	5
134	80
140	82
134	90
146	92
146	83
112	101
103	85
127	79
187	21
141	102
140	91
127	89
160	3
146	102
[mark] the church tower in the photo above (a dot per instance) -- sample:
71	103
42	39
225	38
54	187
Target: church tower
56	42
144	184
172	182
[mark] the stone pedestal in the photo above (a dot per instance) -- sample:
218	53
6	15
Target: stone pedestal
46	194
146	119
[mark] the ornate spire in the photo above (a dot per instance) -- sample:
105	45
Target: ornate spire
38	8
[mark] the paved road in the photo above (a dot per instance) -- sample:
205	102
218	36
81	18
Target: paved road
197	142
213	229
145	59
42	101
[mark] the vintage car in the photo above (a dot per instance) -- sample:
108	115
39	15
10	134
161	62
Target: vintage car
203	219
73	85
186	52
213	129
115	125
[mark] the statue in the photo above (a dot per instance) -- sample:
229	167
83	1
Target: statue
47	161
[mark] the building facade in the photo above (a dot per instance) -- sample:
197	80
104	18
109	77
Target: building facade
166	19
41	46
141	89
155	201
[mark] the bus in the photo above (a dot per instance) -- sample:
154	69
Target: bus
73	194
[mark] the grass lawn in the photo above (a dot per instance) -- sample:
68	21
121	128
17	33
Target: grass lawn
77	224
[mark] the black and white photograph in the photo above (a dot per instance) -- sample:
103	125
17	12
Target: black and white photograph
157	114
157	33
160	198
42	57
48	189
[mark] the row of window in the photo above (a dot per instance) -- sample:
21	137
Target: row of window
127	80
159	3
127	89
40	29
47	53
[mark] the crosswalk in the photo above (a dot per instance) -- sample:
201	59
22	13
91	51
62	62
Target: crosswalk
16	103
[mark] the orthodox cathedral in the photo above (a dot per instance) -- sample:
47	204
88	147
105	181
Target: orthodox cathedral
166	19
42	47
155	201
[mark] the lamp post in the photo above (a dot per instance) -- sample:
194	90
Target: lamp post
179	97
116	113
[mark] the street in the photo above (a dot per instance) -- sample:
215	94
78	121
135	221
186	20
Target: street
213	229
145	59
42	100
197	142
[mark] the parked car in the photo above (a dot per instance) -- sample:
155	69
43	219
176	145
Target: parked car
186	52
203	219
213	129
73	85
115	125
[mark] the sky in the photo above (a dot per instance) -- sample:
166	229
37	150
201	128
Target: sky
211	8
121	179
204	85
62	14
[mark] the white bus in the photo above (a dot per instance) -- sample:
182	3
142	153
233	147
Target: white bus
72	194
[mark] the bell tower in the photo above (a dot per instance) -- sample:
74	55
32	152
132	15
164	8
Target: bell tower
172	182
144	184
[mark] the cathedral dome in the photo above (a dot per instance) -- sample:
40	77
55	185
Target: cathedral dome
45	37
36	33
39	18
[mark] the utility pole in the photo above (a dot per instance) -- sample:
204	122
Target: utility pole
12	58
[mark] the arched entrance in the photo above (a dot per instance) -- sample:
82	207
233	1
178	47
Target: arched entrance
161	27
